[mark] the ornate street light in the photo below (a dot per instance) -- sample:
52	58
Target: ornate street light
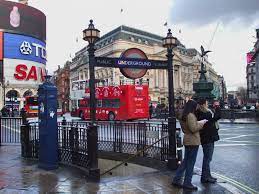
171	42
91	35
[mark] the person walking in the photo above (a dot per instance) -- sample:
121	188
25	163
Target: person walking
4	111
191	141
209	134
150	110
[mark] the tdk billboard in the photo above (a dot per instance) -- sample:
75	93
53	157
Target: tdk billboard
24	47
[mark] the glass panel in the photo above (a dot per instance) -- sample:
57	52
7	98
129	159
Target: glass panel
113	103
32	101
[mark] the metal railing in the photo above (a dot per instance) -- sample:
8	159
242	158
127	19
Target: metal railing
115	137
144	142
10	130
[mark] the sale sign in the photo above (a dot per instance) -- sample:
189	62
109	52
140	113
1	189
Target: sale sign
24	72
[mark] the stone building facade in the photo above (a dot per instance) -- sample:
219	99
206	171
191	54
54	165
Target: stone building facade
256	59
251	80
62	82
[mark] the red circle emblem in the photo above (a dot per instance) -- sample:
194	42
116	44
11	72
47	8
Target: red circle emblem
132	73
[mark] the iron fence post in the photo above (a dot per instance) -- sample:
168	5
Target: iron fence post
25	141
92	149
64	140
115	136
72	144
121	136
141	131
164	148
24	116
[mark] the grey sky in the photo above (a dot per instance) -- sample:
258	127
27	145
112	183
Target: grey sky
202	12
232	40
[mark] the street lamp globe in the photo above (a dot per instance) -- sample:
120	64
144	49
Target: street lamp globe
169	41
91	34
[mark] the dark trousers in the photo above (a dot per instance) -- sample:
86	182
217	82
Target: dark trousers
208	150
190	155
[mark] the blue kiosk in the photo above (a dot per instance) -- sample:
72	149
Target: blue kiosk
48	128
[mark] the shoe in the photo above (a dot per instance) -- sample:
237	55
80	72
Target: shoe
177	184
208	180
213	178
190	186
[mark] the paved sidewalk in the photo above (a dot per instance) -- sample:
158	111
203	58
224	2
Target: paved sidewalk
18	175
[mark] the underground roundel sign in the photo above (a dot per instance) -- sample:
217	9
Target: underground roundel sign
133	73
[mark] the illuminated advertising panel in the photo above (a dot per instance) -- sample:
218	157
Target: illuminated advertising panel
19	71
1	46
24	47
249	57
22	19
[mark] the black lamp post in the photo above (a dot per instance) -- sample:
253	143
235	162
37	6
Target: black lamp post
91	35
170	42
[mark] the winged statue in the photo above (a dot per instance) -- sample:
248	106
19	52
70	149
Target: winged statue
203	52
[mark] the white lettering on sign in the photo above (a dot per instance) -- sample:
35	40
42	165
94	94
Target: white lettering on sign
51	114
26	49
19	71
134	63
138	99
40	49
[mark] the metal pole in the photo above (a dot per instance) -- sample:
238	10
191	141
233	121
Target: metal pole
4	92
172	161
92	132
91	50
223	92
12	99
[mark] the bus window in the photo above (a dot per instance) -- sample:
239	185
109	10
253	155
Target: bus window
113	103
32	101
99	103
83	103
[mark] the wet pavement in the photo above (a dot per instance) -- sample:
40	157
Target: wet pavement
236	156
240	121
18	175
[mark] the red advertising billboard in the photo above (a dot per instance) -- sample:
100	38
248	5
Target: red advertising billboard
249	57
1	46
22	19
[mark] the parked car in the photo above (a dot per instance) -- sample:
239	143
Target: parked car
252	108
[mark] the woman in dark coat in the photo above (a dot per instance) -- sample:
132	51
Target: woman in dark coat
209	134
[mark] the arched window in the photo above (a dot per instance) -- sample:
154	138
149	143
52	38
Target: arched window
27	93
12	94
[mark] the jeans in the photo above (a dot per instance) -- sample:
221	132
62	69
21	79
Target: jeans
207	157
190	155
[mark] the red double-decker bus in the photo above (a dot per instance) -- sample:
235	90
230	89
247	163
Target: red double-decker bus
124	102
31	106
